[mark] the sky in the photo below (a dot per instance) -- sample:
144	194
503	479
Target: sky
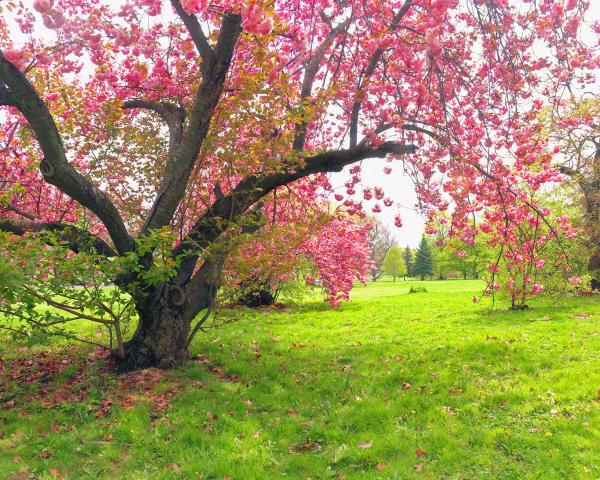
399	188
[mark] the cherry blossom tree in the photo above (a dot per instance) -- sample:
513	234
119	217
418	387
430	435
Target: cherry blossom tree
148	133
304	238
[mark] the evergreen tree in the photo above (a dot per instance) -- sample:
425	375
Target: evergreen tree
394	263
408	260
423	260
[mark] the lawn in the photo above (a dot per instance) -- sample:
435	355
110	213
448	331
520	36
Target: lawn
390	386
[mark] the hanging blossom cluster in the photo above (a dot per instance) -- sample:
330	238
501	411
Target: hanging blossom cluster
341	255
255	18
460	84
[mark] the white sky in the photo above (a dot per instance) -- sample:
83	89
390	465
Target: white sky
398	187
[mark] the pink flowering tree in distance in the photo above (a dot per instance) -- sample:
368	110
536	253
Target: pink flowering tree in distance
303	238
141	140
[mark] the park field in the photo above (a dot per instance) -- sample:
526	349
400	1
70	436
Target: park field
390	386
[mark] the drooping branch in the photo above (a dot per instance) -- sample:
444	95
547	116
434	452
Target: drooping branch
195	31
370	69
229	208
55	167
181	162
311	69
76	238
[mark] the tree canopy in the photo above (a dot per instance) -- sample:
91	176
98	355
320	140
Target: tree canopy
145	137
423	265
394	263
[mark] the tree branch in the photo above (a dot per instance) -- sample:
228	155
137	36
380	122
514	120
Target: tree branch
355	113
55	167
310	72
181	162
20	211
195	31
77	239
172	114
229	208
5	98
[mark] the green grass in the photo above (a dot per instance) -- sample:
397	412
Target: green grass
487	395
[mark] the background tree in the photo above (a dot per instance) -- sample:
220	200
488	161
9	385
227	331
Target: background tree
380	240
576	130
454	258
423	265
145	137
407	255
394	263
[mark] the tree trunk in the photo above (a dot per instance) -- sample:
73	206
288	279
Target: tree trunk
591	192
594	267
161	337
166	315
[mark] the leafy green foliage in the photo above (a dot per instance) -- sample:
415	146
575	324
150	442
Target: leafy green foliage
417	289
45	287
423	265
393	264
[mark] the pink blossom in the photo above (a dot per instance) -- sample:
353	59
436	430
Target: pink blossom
43	6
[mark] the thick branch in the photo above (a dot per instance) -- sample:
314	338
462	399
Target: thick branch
172	114
5	97
181	162
76	238
55	168
195	31
230	207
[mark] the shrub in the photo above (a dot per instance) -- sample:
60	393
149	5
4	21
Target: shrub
414	289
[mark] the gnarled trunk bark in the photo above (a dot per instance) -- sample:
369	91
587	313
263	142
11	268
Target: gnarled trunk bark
166	318
161	337
163	332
